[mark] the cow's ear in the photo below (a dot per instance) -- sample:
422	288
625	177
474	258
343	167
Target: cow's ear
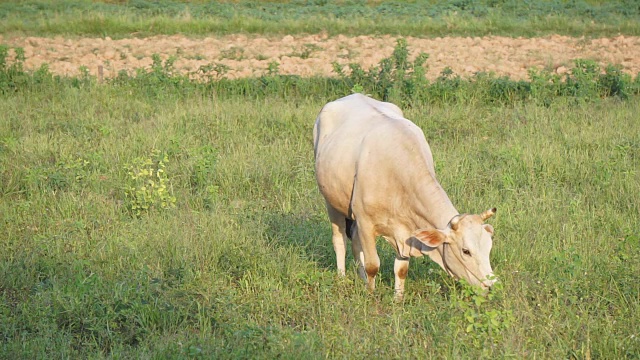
431	237
489	228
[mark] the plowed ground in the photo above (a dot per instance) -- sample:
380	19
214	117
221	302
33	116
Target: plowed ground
310	55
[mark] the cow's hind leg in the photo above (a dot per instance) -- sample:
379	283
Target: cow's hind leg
339	237
358	254
365	238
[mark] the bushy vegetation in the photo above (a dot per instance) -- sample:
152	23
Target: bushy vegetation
154	216
397	79
417	18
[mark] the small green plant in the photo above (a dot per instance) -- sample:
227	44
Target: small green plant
195	57
478	313
84	79
273	68
232	53
204	166
203	175
583	79
305	51
66	173
149	186
77	167
214	70
84	72
615	83
159	68
357	88
544	85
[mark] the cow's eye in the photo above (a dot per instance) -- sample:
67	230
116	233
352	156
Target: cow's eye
466	252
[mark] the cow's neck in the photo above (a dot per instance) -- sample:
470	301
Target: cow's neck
434	205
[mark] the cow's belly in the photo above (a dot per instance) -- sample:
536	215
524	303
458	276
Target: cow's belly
335	172
336	188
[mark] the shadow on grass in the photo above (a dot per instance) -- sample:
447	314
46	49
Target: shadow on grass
309	234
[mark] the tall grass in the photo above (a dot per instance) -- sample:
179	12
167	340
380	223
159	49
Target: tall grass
415	18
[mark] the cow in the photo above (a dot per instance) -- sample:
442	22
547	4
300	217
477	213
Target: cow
375	170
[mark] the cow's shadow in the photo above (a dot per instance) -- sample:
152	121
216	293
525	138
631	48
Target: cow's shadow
310	235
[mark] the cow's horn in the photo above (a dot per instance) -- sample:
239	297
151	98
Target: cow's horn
454	222
487	214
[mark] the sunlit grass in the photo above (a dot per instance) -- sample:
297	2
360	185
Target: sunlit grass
417	18
243	266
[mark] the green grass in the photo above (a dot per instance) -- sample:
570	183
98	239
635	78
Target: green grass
421	18
243	267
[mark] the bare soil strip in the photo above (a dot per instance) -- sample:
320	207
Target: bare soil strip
309	55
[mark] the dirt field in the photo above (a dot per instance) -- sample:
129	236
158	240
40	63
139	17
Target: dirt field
314	54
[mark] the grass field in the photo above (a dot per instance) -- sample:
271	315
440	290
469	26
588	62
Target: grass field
350	17
151	217
242	265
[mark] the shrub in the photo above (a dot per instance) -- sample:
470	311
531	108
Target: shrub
394	79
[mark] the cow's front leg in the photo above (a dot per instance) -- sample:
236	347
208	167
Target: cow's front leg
400	269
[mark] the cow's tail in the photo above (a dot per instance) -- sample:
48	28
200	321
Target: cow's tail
350	223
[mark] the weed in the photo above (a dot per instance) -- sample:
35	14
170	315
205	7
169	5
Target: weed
196	57
357	88
273	68
306	51
394	79
477	312
615	83
203	175
582	82
11	70
149	186
214	71
232	53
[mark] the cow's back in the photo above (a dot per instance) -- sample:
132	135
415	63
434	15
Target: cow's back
354	113
340	132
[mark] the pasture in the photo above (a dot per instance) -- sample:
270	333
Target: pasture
153	217
140	18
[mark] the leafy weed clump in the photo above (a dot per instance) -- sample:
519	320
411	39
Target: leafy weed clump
150	187
10	71
479	314
396	78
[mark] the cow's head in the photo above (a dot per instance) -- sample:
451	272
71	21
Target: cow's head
463	247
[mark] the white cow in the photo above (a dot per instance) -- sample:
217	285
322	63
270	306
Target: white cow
375	171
